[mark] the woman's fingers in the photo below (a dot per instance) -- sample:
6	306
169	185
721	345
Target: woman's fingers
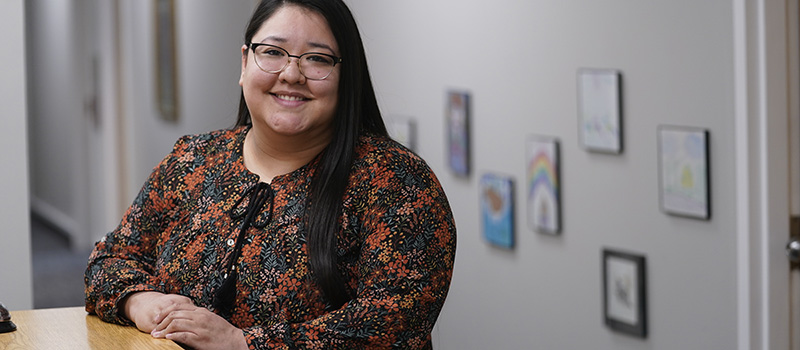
171	303
177	320
200	329
148	309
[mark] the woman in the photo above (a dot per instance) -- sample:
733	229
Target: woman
304	226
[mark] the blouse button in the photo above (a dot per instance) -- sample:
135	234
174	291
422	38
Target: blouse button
230	242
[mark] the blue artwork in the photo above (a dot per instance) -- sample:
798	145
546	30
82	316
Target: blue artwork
497	210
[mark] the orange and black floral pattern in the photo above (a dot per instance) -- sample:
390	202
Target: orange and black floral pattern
396	247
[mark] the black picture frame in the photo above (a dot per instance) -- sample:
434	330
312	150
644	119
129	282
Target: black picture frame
625	292
684	171
543	170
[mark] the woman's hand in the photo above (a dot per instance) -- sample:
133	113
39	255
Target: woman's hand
201	329
148	309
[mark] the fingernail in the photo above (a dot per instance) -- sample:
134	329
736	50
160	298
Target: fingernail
157	334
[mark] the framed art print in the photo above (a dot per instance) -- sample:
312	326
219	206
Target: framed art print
497	210
600	109
404	131
458	142
166	61
624	292
544	193
684	171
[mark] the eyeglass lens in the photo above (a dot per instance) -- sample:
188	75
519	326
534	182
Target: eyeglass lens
273	59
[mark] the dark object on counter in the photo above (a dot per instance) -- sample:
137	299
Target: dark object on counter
5	320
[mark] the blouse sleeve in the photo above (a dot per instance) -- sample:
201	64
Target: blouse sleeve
402	274
123	261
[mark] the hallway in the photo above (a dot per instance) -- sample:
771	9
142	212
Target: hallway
57	269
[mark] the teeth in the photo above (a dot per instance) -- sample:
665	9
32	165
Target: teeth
290	98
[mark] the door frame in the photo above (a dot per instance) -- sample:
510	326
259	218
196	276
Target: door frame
761	111
793	46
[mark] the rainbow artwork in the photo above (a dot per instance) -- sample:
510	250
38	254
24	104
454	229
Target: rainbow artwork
543	186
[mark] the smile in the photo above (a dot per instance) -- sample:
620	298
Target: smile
291	98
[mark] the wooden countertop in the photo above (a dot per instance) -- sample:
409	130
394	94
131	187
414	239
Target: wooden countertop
73	328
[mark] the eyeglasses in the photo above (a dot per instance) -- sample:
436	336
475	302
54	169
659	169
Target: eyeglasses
274	59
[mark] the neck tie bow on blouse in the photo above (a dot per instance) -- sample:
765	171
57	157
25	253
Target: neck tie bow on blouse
258	194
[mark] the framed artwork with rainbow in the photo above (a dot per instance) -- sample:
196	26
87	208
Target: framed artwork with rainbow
544	187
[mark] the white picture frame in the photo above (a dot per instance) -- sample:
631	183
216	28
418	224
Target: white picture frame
600	109
404	131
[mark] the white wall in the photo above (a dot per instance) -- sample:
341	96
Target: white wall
209	37
85	173
16	286
58	120
519	60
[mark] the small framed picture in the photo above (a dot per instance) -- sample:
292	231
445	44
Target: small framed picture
600	109
544	187
166	61
684	174
624	292
458	130
404	131
497	210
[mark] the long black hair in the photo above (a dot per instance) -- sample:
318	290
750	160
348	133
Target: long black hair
356	114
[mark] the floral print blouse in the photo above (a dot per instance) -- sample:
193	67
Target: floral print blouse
396	247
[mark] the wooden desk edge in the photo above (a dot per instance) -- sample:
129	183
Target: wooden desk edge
35	328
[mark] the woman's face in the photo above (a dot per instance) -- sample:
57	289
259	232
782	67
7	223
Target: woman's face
287	103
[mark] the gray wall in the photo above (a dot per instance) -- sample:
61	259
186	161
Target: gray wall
16	286
519	60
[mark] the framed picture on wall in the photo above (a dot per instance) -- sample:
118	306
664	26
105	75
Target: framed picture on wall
166	62
497	209
544	187
684	174
624	292
404	131
458	131
600	109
